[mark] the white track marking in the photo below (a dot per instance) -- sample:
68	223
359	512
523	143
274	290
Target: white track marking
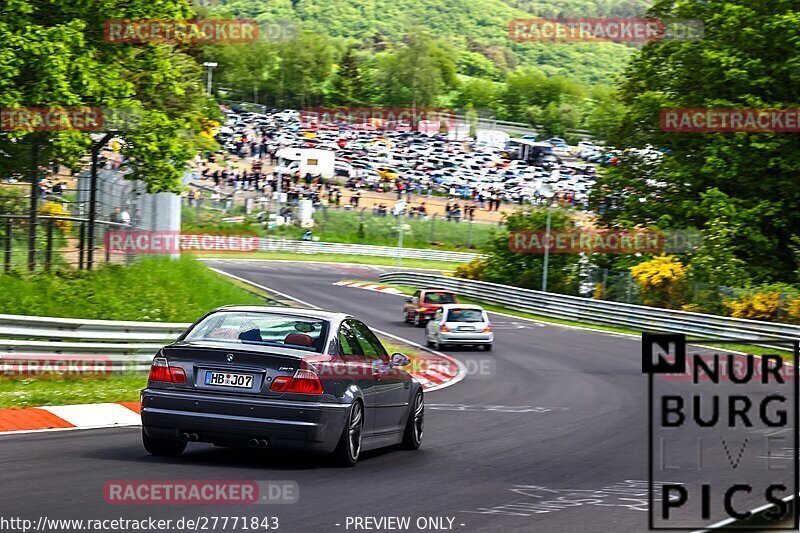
94	415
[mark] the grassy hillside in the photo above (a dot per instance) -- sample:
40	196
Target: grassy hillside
479	26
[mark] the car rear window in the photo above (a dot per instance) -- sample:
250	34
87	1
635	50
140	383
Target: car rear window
465	315
439	298
274	329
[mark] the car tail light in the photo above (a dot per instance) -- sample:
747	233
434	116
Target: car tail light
178	374
279	383
488	328
443	328
160	370
303	382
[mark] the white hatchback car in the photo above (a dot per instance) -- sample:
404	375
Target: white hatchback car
460	324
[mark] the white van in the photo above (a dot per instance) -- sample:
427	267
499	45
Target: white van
306	160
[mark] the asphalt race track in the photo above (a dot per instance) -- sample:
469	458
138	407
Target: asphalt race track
553	440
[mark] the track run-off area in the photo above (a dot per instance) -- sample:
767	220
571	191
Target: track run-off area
547	432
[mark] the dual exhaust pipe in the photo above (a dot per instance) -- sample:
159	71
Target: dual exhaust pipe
253	442
258	443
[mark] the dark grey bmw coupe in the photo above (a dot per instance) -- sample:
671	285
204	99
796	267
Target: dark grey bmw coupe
274	377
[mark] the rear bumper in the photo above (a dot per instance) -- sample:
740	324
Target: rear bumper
469	337
310	426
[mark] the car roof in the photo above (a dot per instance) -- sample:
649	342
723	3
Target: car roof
293	311
436	290
461	306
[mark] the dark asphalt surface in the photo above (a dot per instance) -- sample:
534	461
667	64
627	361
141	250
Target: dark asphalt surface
554	440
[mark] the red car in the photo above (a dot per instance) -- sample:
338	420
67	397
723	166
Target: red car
420	307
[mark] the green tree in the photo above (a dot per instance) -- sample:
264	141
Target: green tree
305	63
55	55
245	69
347	86
416	72
746	59
554	119
477	93
525	270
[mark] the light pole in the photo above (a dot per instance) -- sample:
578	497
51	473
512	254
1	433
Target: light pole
96	147
208	80
548	193
401	208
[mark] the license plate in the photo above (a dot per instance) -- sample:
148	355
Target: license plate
466	328
226	379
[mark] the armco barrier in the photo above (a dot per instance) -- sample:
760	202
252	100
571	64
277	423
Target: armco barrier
127	345
312	247
589	310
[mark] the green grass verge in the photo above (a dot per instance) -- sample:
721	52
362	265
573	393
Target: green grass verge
353	227
338	258
153	289
33	392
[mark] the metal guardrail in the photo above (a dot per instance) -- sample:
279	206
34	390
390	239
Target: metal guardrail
131	345
589	310
125	345
313	247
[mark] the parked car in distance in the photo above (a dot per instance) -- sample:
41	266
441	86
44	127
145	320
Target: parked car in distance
273	377
459	324
422	305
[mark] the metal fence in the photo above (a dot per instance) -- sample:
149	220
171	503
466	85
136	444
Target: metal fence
61	233
593	311
58	242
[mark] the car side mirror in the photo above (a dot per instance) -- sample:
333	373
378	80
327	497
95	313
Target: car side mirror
400	359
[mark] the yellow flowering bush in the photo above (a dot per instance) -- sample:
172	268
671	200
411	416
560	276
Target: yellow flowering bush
55	209
661	280
208	128
793	311
475	269
755	306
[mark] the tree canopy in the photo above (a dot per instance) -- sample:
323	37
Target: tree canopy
54	55
742	189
